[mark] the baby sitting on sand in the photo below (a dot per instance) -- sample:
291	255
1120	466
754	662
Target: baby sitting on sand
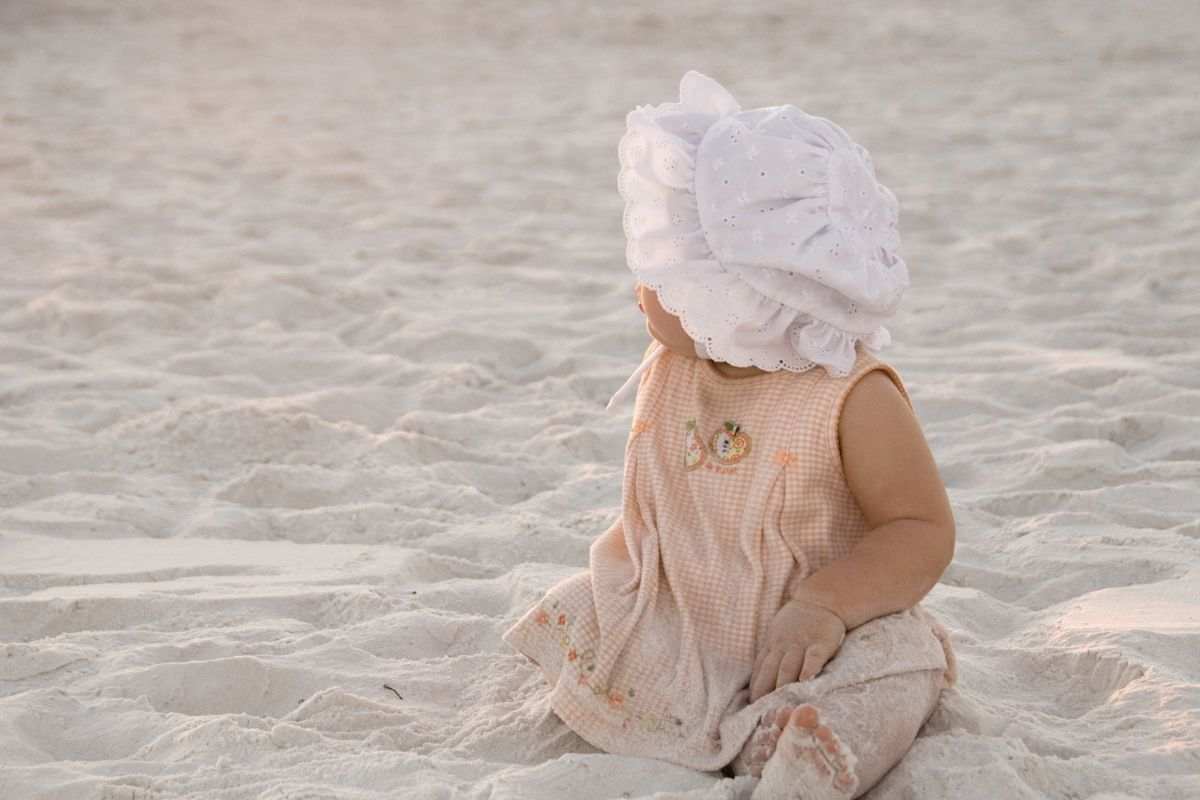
755	608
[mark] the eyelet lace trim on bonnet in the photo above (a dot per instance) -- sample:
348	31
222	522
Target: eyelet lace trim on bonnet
764	231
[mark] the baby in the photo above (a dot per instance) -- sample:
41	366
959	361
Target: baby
755	608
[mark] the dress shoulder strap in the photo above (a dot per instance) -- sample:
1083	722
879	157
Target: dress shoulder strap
868	362
657	362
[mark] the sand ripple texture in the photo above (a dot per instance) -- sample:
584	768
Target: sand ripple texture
308	316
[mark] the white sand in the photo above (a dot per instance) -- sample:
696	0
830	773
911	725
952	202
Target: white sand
253	466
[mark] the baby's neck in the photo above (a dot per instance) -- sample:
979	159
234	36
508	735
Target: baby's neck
730	371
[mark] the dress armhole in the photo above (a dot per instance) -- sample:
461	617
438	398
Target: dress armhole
835	416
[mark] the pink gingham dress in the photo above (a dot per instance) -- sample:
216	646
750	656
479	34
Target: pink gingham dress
733	490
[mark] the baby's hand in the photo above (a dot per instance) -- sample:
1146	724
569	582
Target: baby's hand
801	639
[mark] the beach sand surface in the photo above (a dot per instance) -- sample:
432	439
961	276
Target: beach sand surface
310	311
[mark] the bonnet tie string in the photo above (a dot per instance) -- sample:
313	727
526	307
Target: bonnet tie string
632	381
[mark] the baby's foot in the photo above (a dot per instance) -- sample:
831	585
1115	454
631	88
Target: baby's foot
809	762
761	745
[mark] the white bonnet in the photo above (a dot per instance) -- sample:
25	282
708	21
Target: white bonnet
764	231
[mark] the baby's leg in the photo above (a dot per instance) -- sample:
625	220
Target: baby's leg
839	745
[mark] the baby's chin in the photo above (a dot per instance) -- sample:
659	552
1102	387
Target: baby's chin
681	344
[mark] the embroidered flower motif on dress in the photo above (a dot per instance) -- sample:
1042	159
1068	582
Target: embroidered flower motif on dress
784	457
585	664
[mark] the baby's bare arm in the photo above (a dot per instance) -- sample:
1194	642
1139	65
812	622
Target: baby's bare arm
911	533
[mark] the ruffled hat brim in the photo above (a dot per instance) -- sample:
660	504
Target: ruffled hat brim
744	305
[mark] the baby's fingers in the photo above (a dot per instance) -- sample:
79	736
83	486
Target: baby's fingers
762	681
789	665
815	659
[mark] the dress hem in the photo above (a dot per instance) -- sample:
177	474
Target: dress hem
535	641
